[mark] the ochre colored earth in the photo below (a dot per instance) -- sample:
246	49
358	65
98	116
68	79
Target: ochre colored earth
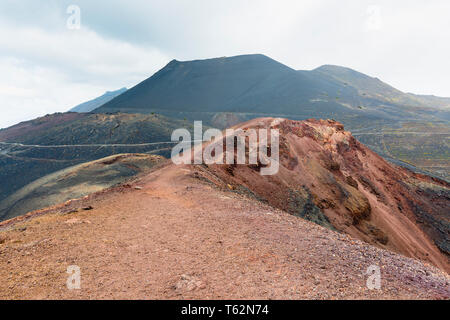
215	232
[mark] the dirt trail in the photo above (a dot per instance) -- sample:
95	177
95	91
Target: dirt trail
169	235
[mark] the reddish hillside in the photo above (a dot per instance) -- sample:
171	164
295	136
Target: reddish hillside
205	232
328	177
38	125
173	235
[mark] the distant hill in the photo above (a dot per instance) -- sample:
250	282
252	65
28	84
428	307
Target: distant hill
227	232
367	87
407	129
252	84
76	182
256	85
229	90
68	139
374	88
437	102
90	105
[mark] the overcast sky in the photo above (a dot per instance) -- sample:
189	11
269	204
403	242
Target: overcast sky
47	67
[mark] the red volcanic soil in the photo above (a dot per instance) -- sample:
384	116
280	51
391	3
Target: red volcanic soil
174	235
327	176
29	127
226	232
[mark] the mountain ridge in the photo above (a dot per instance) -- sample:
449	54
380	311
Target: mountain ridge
225	91
93	104
327	176
188	229
262	79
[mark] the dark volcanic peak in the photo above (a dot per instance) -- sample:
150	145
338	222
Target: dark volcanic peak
256	85
229	90
219	84
248	59
374	88
90	105
356	79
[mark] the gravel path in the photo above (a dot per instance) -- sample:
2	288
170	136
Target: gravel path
171	236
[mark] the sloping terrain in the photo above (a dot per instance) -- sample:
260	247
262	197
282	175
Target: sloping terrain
229	90
374	89
422	146
88	128
33	149
224	92
328	177
90	105
76	182
179	237
33	128
256	84
245	84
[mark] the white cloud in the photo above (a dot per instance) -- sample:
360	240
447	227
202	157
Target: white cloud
44	67
44	72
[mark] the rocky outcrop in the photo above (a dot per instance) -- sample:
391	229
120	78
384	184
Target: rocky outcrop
328	177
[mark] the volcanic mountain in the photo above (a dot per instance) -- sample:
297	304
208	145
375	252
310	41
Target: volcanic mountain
225	91
93	104
225	231
411	130
255	84
33	149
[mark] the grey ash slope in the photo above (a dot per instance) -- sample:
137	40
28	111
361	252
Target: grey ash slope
76	182
244	84
255	85
373	88
93	104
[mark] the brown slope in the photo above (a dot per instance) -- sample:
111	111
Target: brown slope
36	126
177	236
327	176
76	182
